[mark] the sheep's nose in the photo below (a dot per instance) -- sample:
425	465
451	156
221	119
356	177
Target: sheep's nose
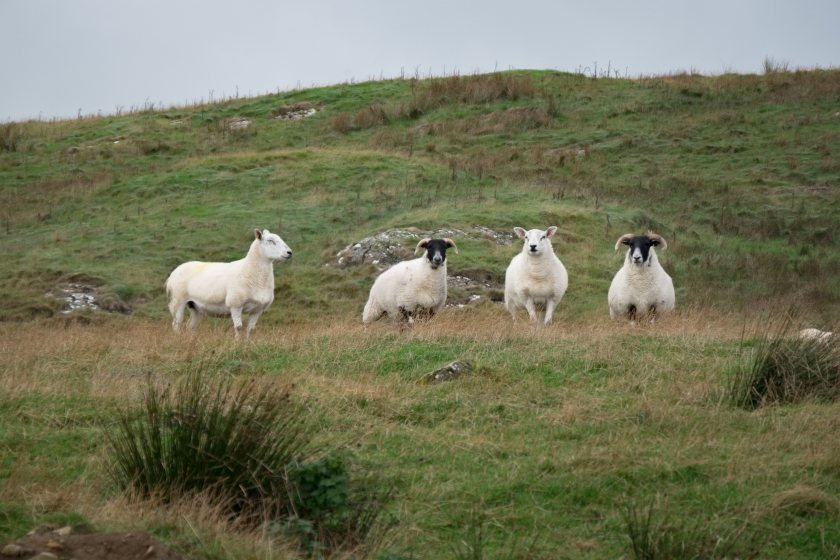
533	248
637	259
437	259
289	254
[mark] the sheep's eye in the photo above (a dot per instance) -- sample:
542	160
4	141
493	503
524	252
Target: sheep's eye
271	241
543	237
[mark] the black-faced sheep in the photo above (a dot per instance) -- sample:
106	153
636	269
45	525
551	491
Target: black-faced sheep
411	288
641	287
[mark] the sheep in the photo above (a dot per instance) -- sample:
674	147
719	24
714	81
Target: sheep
411	288
535	276
817	335
221	288
641	286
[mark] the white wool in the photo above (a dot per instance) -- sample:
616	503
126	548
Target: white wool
535	277
408	288
222	288
818	335
645	287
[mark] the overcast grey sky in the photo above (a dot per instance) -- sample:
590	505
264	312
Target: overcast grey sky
58	57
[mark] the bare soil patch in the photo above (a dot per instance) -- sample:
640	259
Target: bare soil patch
48	542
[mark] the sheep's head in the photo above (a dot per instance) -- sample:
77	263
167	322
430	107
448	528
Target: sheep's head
640	246
435	249
536	240
273	247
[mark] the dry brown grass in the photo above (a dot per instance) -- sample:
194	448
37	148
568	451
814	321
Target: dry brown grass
654	409
200	519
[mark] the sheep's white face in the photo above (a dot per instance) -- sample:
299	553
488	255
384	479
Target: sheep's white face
536	240
273	247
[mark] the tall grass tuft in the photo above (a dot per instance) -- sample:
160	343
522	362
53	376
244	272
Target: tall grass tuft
654	537
236	443
250	451
650	537
784	368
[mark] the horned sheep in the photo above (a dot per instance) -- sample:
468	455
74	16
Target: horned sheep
641	287
222	288
535	276
411	288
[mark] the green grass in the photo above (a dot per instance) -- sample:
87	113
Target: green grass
563	440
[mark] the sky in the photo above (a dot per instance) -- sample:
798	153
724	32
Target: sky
62	58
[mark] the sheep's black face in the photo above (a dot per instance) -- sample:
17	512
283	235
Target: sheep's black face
640	248
436	252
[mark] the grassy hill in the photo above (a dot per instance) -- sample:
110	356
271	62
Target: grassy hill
563	433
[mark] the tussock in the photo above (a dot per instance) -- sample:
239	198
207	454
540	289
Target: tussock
784	368
803	500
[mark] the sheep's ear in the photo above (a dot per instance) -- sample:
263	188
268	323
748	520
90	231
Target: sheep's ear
421	245
450	243
551	231
258	234
623	240
520	232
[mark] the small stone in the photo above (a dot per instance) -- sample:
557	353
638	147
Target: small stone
53	545
449	372
64	531
149	551
15	550
45	556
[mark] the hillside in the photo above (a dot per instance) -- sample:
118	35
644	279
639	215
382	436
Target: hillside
739	173
561	432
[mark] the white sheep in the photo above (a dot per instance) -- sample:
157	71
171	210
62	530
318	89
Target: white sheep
535	276
411	288
641	287
818	336
222	288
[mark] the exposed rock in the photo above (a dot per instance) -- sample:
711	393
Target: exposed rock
450	371
394	245
238	123
15	551
295	111
75	296
64	531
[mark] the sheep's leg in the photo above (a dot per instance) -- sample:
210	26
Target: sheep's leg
549	311
178	317
407	315
631	314
532	309
652	313
511	309
252	323
236	315
195	319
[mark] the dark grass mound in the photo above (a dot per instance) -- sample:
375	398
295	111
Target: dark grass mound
785	368
207	436
250	450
